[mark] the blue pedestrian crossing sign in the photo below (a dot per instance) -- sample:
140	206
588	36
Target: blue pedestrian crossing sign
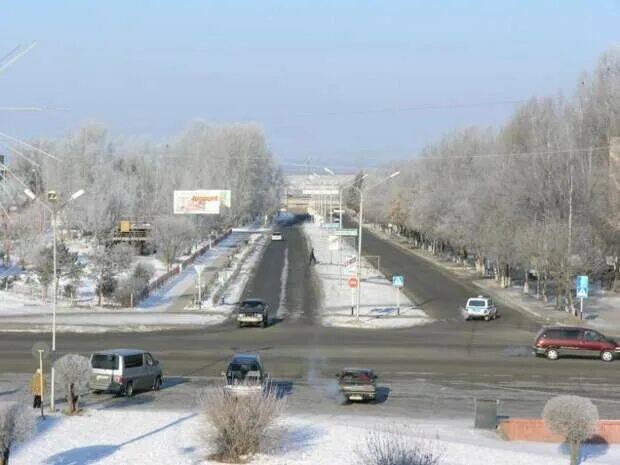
398	281
582	286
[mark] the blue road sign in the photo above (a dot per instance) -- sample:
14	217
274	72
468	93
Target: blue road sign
398	281
582	286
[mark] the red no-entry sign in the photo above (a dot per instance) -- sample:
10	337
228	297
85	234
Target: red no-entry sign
353	282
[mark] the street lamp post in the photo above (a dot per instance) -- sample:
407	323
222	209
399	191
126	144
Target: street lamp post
53	209
359	239
341	189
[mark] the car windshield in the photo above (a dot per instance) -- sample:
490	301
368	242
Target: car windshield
355	377
252	306
243	371
104	361
477	303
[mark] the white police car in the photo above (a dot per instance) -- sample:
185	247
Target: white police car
480	307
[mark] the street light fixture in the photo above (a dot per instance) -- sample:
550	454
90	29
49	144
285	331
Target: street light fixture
359	239
51	206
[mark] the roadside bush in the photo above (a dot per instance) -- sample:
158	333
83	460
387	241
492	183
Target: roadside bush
107	286
391	447
68	290
144	272
573	417
238	425
17	424
134	285
73	374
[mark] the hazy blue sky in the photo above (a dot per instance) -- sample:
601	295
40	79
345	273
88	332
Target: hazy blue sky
328	79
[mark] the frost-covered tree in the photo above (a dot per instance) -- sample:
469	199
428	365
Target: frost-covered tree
17	424
171	236
73	375
574	417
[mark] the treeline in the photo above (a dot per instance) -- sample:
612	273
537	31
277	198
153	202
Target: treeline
538	194
135	178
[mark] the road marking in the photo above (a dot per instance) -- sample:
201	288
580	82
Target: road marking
283	284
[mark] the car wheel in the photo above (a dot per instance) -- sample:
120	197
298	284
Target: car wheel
97	392
240	325
552	354
487	318
157	384
607	356
129	389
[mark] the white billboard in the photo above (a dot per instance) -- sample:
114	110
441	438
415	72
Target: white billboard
200	202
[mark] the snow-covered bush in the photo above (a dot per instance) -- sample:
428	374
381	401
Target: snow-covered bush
73	374
238	425
391	447
573	417
16	425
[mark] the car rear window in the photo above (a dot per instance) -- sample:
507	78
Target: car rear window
104	361
477	303
356	377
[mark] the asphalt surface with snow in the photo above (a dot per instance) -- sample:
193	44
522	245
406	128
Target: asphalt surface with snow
440	367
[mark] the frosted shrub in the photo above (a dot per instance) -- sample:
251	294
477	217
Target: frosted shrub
238	424
16	425
573	417
393	448
73	374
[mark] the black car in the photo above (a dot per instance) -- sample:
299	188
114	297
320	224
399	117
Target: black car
253	312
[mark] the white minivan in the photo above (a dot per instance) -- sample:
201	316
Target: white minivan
124	371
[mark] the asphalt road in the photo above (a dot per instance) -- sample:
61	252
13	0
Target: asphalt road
434	368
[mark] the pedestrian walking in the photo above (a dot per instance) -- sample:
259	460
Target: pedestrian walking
37	386
312	260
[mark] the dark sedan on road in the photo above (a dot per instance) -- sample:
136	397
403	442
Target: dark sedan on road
357	384
253	312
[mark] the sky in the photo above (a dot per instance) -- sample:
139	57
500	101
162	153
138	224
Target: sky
341	83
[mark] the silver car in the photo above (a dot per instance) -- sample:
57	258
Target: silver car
124	371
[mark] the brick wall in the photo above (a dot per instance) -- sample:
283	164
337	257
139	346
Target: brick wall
534	430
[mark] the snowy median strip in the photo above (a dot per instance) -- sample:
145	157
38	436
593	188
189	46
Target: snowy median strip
224	297
378	308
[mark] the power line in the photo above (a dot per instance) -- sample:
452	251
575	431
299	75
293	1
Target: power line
17	152
513	154
15	55
32	147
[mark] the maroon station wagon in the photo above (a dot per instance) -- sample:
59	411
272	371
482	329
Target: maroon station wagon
554	342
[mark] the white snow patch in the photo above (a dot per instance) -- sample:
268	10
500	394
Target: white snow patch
378	297
282	311
110	322
158	437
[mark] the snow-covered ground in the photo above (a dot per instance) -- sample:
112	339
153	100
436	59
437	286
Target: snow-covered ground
102	322
378	307
164	309
184	283
165	437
